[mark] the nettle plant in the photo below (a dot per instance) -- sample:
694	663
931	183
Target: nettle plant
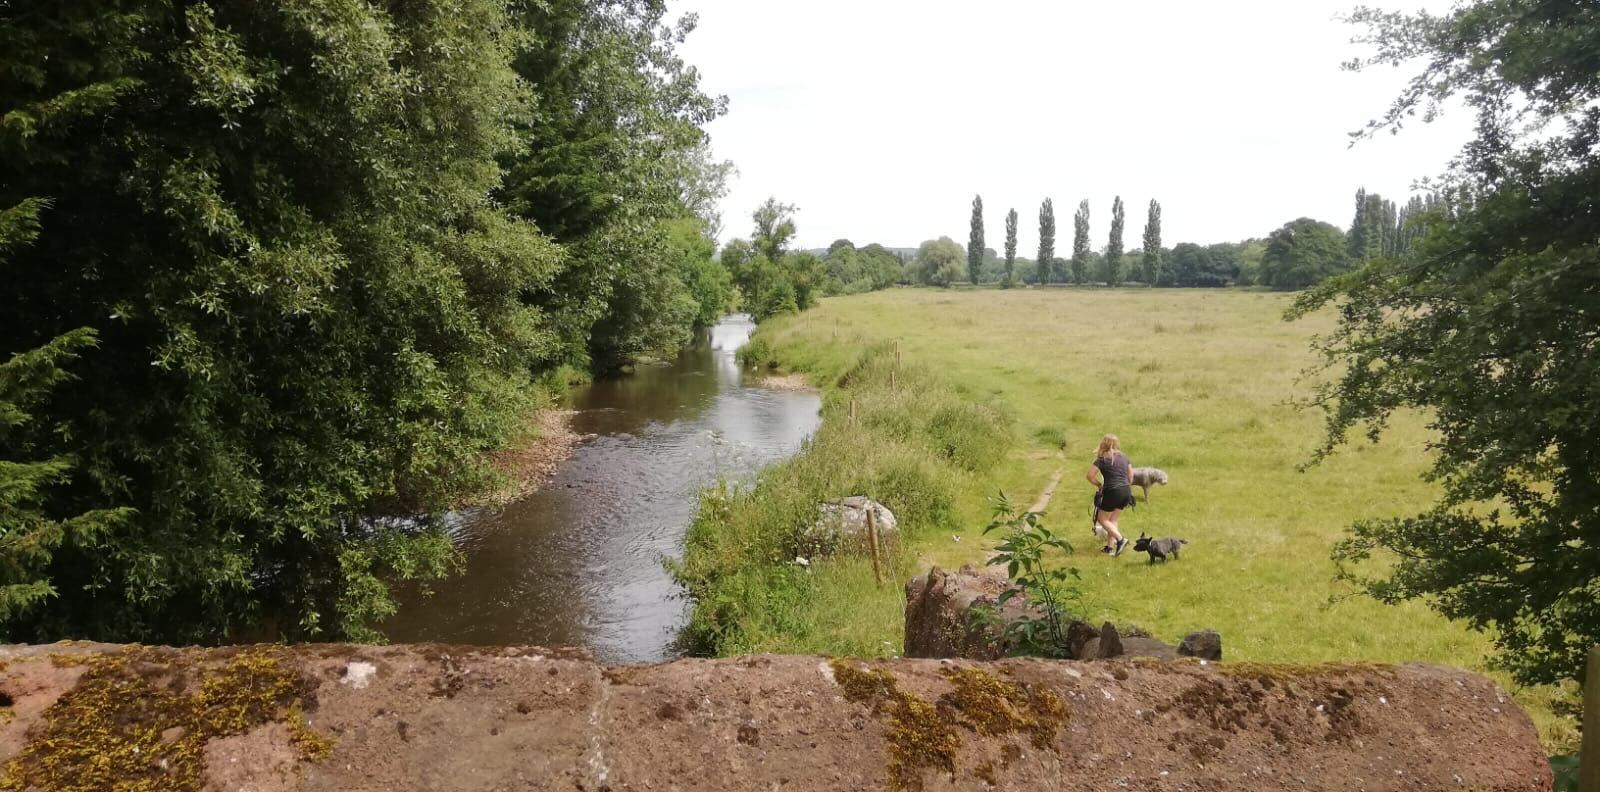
1035	573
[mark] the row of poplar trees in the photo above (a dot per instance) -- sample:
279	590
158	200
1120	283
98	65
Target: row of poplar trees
1055	270
278	274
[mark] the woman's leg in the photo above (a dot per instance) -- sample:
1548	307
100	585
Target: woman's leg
1108	521
1116	532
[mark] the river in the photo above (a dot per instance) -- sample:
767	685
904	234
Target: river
579	563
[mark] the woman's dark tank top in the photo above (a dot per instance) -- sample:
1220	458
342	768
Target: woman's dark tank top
1114	469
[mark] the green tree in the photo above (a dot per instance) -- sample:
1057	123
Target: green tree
1011	247
975	241
1080	243
693	256
938	262
1150	264
774	229
1489	326
611	160
881	267
1374	230
311	318
1250	254
1113	261
1302	253
770	278
29	534
1047	239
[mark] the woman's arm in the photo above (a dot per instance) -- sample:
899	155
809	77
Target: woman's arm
1129	464
1093	476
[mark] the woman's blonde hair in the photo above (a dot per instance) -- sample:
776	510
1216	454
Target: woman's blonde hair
1108	445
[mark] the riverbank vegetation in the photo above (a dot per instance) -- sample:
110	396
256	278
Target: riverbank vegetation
1198	383
895	433
280	277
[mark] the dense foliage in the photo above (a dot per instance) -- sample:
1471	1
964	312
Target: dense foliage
772	279
852	270
1303	252
937	263
1491	323
613	164
311	319
1197	266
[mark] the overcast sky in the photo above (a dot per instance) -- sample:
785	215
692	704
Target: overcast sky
881	119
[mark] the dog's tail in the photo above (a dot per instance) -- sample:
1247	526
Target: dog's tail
1183	541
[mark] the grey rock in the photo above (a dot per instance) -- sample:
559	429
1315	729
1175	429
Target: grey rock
1205	644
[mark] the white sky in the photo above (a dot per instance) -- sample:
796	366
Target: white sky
881	118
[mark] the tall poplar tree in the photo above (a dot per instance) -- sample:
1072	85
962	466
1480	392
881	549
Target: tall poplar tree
1080	243
975	241
1150	269
1114	245
1011	245
1047	239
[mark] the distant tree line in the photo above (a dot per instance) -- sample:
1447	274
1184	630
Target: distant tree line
1301	253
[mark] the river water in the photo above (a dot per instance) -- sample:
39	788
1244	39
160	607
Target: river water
579	563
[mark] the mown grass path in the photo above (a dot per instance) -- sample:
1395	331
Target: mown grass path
1200	384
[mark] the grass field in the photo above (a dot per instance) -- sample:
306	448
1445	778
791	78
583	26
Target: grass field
1196	382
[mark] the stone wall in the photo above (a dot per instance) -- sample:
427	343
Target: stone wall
340	717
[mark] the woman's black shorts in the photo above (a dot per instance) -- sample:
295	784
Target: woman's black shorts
1115	498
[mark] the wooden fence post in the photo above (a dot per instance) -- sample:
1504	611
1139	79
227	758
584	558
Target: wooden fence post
872	541
1589	757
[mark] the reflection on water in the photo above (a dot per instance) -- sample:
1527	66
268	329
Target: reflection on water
579	562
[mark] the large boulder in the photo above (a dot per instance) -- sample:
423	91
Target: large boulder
446	718
843	523
957	614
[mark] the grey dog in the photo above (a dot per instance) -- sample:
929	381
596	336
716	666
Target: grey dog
1159	548
1147	477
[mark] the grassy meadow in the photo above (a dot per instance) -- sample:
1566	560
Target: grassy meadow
1196	382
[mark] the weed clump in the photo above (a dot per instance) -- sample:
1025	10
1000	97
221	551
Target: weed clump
130	723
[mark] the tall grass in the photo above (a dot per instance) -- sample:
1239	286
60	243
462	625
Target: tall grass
913	443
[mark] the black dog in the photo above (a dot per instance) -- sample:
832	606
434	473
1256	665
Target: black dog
1159	548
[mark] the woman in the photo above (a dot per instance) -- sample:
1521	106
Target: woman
1112	474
